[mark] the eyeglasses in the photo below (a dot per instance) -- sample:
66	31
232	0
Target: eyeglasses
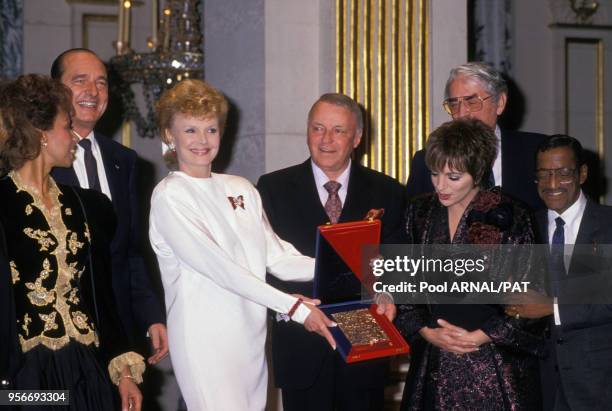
564	175
472	103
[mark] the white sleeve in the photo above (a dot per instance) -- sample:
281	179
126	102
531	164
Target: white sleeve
283	260
191	242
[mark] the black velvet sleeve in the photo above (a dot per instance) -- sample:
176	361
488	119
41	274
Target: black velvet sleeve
10	352
519	334
146	305
96	281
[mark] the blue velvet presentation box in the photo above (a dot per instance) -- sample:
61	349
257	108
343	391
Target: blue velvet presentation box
339	284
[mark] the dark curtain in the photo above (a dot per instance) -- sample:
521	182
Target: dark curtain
490	33
11	38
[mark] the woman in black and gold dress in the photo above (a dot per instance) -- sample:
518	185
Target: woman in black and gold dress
468	356
57	311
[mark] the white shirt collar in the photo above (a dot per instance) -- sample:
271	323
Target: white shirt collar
572	218
321	179
90	136
497	164
79	164
572	214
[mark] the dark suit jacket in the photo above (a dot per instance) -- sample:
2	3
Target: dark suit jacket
580	349
292	203
518	166
139	307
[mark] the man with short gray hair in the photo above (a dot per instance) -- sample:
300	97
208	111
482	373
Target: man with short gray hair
477	90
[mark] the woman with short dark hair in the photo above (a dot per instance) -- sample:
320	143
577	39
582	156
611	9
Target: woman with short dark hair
468	356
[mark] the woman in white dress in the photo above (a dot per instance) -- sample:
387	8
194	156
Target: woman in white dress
214	246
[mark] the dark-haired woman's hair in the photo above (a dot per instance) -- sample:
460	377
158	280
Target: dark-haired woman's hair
563	140
28	106
464	145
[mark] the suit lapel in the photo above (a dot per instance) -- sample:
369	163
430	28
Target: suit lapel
306	197
356	197
542	221
589	224
111	166
506	158
587	234
516	172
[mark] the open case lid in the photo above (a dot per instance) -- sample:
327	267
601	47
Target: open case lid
338	272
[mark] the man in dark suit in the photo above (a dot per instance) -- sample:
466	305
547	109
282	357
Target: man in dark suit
109	167
328	187
478	91
577	373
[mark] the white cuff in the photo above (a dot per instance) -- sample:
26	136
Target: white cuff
300	314
135	363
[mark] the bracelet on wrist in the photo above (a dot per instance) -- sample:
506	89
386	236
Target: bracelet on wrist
126	376
295	307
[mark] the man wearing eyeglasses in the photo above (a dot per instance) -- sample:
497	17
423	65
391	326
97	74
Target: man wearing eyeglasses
577	372
477	90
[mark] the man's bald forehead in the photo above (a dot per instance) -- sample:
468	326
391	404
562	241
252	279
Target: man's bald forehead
58	67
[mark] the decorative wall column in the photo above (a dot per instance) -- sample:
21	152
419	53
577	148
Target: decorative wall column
382	61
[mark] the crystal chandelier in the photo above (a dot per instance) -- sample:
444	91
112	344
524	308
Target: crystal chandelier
176	54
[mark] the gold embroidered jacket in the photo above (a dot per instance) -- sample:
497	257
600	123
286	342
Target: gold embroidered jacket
58	297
